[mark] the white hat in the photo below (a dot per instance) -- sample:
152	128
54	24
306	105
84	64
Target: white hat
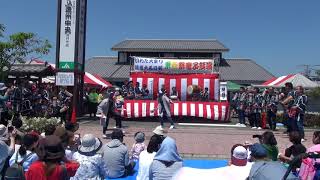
89	144
239	156
3	133
158	130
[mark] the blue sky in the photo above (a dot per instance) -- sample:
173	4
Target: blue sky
279	35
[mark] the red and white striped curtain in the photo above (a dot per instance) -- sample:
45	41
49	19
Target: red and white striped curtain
154	81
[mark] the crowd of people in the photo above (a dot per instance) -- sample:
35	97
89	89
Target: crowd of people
61	153
253	104
33	100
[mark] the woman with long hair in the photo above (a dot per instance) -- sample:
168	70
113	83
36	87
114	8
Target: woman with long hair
26	151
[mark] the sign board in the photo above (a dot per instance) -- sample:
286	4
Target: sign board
72	33
67	33
153	64
223	91
65	79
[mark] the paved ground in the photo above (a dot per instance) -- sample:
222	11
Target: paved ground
193	141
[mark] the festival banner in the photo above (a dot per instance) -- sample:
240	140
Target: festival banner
157	64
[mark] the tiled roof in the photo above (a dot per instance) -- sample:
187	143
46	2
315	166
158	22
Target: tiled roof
170	45
244	71
104	66
31	69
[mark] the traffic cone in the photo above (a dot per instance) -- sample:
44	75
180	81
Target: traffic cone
74	115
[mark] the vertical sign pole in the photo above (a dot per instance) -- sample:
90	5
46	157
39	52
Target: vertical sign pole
56	89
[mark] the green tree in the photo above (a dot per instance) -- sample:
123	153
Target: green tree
19	47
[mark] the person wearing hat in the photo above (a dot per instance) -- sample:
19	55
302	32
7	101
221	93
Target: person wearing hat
5	150
263	168
52	164
238	168
116	156
92	166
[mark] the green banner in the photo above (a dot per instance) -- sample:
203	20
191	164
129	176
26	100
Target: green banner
66	65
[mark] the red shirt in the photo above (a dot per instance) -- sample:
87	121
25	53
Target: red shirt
37	171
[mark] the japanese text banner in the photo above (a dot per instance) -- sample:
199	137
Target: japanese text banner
154	64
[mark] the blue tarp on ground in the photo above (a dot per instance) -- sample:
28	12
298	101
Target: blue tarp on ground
194	163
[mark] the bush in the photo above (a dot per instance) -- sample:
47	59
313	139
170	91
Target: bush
38	124
310	120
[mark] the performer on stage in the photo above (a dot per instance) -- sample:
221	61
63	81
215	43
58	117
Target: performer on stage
287	104
271	99
300	104
240	101
255	103
109	108
164	108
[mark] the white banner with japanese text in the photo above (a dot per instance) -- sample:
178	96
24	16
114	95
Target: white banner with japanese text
157	64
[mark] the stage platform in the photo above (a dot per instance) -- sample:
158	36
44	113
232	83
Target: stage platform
211	111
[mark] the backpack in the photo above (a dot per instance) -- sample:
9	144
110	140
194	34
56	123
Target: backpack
16	171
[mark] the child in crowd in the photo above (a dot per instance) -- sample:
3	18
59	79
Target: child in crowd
137	147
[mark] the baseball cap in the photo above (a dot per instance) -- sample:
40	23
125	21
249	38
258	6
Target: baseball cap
239	156
258	151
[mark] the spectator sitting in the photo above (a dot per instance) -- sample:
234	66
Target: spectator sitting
92	166
26	152
166	162
67	140
263	169
137	147
5	150
137	90
310	168
50	167
145	92
270	143
238	168
146	157
293	151
174	94
159	131
131	91
116	156
49	130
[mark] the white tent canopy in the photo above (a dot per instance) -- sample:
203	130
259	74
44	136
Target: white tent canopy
295	79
